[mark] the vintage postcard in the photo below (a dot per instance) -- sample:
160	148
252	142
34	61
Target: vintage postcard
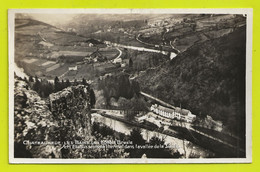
130	85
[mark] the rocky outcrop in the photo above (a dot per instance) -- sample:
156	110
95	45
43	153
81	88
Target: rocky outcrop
32	122
41	133
71	107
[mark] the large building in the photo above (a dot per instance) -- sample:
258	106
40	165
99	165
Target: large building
177	113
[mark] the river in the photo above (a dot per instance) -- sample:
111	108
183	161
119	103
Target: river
190	148
172	54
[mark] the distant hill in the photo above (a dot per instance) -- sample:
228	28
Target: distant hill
87	23
208	79
24	22
29	33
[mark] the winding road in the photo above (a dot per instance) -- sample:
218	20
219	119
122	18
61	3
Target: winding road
120	53
157	46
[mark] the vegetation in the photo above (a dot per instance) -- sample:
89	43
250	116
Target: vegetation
118	86
208	79
222	136
155	152
137	139
44	88
219	149
140	61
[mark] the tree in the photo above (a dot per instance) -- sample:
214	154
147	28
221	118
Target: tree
84	82
31	79
136	87
124	86
37	84
62	84
56	84
161	152
136	137
25	79
67	83
156	141
92	98
75	82
130	63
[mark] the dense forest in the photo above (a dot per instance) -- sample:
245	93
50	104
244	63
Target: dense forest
208	79
125	92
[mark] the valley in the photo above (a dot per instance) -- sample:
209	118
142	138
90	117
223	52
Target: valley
190	66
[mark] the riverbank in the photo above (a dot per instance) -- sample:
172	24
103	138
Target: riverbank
170	137
136	124
220	149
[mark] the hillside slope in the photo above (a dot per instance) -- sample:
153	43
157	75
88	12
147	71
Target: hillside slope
38	39
208	79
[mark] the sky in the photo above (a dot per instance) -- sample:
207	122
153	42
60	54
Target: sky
53	19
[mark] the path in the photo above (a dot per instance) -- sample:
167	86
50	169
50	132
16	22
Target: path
156	99
139	48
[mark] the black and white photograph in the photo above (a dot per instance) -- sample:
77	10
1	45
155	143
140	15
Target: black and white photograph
130	85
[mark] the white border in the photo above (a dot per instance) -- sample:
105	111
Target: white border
248	159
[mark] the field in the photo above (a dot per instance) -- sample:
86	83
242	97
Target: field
84	71
35	67
48	63
33	53
52	67
29	60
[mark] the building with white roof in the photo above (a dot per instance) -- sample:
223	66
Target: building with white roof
177	113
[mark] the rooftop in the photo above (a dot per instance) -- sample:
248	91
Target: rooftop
169	110
182	111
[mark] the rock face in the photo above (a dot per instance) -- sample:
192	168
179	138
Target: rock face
32	122
47	130
71	107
